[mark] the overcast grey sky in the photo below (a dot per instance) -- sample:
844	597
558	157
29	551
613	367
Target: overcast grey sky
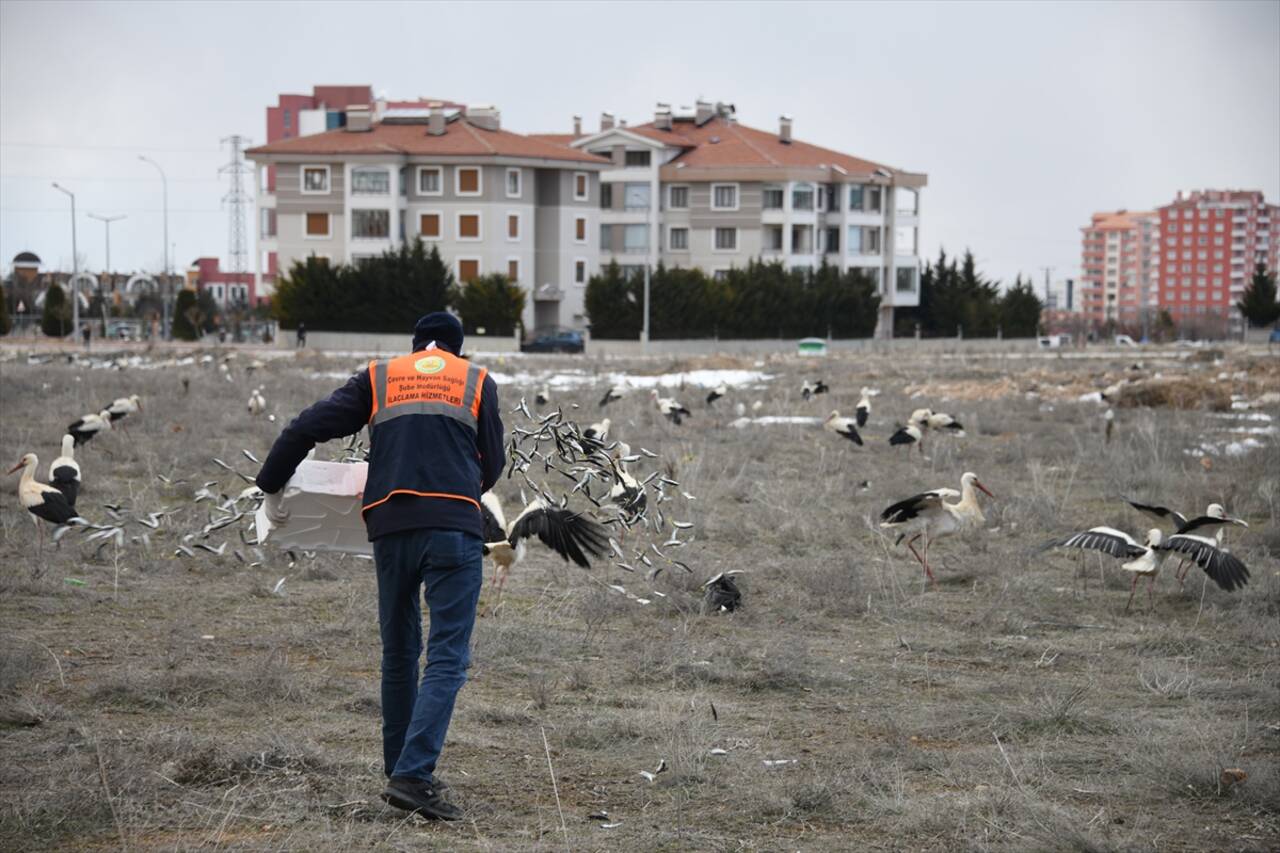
1026	117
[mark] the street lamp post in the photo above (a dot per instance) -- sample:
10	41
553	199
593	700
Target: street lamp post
75	264
107	220
168	284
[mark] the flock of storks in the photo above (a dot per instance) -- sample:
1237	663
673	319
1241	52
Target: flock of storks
632	518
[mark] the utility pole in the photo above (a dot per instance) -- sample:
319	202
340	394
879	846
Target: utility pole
75	265
107	220
167	289
1047	272
236	199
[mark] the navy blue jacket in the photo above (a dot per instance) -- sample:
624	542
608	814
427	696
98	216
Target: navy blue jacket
345	412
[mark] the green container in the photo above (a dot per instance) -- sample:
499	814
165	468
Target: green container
811	346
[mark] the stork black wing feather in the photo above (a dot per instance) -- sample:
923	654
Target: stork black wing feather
1222	567
54	508
902	437
493	531
1095	540
1160	513
905	510
572	535
862	416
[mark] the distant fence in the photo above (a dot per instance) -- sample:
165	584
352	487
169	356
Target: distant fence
383	343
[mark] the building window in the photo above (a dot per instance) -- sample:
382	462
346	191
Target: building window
513	226
802	239
720	274
833	240
267	222
678	239
606	196
726	239
368	180
429	226
635	197
468	226
468	269
579	271
678	198
855	197
724	196
429	181
606	238
904	240
513	183
581	187
580	229
318	225
854	246
635	238
370	224
772	198
637	158
831	193
1218	226
873	199
802	197
315	179
288	120
513	269
906	280
772	238
870	241
468	181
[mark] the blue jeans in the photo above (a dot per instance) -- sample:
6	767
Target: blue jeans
415	719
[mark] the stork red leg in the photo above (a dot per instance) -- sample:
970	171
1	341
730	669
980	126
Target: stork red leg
1132	589
1151	593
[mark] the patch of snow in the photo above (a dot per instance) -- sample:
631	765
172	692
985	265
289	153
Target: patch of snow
1091	397
1252	416
570	379
774	420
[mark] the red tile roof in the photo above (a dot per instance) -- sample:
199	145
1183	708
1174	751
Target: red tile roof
737	145
459	139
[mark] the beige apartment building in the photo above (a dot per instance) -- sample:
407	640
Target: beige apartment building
696	188
490	200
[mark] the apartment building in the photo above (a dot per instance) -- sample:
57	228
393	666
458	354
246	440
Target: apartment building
490	200
1210	242
696	188
228	289
1119	266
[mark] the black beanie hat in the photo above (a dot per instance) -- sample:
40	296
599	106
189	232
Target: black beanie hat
441	327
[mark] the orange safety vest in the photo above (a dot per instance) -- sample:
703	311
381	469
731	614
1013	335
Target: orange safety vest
431	382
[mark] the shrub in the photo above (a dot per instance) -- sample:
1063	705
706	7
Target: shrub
186	316
56	320
493	303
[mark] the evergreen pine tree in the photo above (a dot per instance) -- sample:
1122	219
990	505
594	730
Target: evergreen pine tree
6	324
1020	310
186	316
493	303
56	319
1259	305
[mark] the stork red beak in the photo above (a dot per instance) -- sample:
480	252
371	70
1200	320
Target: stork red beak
984	489
14	468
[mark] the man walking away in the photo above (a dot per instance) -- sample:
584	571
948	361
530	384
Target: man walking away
435	445
302	335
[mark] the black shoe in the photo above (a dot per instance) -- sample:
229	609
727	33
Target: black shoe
424	798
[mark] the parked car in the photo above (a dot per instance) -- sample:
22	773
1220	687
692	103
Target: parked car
1054	341
1125	341
554	339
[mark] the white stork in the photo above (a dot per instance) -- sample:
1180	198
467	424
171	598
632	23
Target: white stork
573	535
863	410
257	403
717	392
543	396
627	492
1221	566
64	472
907	436
121	407
944	423
929	515
671	410
846	427
1213	523
88	426
611	395
42	500
809	390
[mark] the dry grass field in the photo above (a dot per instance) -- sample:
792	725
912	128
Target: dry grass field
153	701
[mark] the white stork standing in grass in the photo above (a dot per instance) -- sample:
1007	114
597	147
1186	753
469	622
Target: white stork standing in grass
257	403
1213	523
929	515
905	436
64	472
543	396
671	410
809	390
121	407
717	392
846	427
42	500
612	394
573	535
941	422
88	426
1221	566
863	410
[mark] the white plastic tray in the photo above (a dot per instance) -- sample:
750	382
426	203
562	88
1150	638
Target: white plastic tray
323	500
